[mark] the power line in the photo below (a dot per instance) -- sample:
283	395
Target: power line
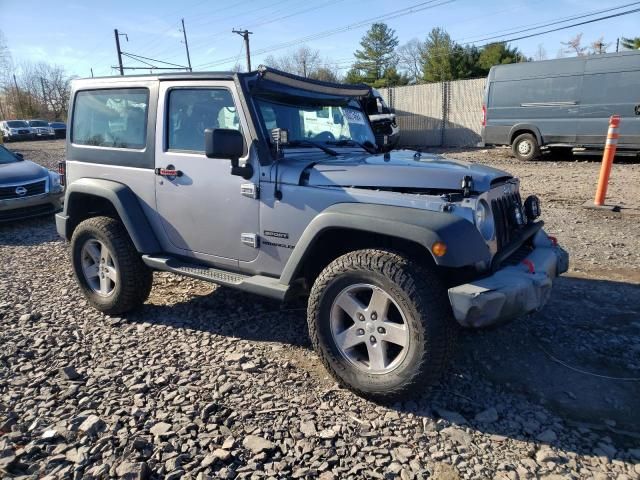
390	15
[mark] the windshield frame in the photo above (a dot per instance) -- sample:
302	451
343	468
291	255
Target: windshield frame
317	103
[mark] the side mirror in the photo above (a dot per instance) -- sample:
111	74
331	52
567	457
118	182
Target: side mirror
227	143
337	118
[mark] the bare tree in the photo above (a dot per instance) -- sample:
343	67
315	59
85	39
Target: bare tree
411	59
574	45
305	62
541	53
598	47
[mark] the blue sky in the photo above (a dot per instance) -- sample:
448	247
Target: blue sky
79	34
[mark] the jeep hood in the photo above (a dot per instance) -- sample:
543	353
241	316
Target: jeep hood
18	172
402	171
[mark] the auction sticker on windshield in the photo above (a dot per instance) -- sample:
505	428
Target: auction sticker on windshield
353	116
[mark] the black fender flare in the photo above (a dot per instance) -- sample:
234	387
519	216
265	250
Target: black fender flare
465	245
124	201
525	126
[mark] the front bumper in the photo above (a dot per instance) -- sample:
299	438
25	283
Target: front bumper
33	206
512	291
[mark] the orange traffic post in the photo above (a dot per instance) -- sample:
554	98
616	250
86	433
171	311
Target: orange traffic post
607	160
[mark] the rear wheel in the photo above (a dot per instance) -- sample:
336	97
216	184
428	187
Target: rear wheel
107	266
380	323
525	147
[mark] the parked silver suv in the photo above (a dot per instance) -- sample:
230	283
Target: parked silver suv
273	184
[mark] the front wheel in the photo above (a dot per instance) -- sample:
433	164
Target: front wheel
380	324
526	147
107	266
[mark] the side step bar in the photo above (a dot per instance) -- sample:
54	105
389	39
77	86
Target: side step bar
258	284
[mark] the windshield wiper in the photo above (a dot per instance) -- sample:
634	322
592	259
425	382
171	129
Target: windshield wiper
365	146
330	151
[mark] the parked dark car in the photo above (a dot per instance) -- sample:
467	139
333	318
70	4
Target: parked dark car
563	103
26	188
41	129
15	130
60	129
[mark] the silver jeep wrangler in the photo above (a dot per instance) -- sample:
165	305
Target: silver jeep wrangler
273	184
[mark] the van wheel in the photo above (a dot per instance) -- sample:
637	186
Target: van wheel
525	147
107	266
381	324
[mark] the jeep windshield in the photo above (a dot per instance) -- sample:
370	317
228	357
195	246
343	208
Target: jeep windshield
38	123
328	121
6	156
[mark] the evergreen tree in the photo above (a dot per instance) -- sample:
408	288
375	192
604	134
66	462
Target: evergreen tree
437	56
631	43
498	54
377	54
354	76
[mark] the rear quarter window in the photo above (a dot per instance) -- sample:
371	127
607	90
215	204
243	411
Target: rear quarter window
114	118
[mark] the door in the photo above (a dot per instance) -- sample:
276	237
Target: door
201	207
606	94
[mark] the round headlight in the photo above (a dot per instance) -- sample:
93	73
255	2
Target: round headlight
54	181
532	207
484	220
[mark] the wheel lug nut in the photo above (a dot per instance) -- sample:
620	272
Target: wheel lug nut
361	317
374	316
372	339
360	331
381	330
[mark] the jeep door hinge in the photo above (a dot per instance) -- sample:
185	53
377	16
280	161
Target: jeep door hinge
250	190
250	239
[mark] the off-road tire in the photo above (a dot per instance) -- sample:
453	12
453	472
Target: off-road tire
135	278
421	296
532	150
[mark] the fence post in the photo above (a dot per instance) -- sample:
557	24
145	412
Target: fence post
607	160
445	111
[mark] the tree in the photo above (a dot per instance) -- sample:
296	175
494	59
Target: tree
391	78
541	53
437	55
303	61
326	74
354	76
377	54
631	43
498	54
574	45
411	59
598	47
465	62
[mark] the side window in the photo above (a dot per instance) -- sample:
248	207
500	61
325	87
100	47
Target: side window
191	111
111	118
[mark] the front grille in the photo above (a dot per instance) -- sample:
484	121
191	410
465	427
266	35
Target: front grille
26	212
35	188
23	132
504	216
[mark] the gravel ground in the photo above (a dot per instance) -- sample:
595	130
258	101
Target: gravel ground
205	381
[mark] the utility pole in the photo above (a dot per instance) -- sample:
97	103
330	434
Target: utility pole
186	45
245	34
617	44
117	35
91	72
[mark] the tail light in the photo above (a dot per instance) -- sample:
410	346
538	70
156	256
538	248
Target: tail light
62	171
484	115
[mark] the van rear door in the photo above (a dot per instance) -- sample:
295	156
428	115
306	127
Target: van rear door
611	86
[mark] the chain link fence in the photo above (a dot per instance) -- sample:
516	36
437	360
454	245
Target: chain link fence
444	114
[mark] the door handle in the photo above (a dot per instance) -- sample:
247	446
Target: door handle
637	110
169	171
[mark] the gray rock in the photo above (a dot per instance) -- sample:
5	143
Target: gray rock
70	373
489	415
92	425
7	454
133	471
452	417
257	444
546	455
160	428
457	435
308	429
547	436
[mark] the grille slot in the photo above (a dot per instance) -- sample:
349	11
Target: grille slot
504	217
35	188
